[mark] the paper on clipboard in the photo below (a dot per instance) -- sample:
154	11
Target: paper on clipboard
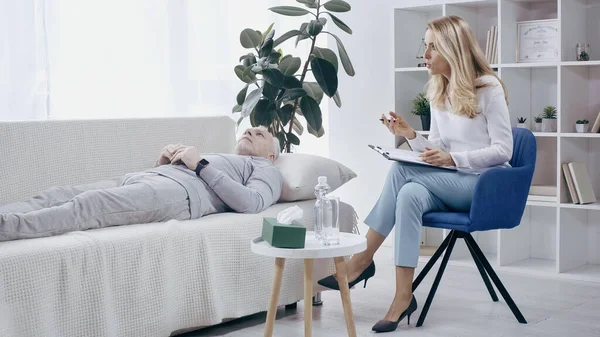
406	156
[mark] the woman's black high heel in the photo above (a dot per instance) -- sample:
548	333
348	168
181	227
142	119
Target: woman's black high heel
331	283
387	326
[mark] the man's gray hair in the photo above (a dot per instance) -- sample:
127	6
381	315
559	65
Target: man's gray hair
276	146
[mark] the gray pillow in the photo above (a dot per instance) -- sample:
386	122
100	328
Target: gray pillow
300	172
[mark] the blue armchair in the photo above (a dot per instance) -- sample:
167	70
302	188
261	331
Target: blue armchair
498	202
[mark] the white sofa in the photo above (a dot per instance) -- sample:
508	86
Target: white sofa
146	280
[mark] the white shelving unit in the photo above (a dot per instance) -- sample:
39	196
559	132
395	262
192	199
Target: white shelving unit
554	239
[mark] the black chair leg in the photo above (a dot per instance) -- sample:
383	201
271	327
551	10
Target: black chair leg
453	235
483	273
494	277
431	262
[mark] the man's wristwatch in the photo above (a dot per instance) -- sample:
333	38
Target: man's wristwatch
201	164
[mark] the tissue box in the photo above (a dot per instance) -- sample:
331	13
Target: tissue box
283	236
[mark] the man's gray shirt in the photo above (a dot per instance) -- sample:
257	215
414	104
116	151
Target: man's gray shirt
243	184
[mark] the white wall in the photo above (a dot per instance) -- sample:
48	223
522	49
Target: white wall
365	97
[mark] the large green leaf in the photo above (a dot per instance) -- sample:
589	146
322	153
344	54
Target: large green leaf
344	56
292	138
273	76
249	76
250	38
285	37
312	112
239	71
304	33
340	23
313	90
248	59
266	49
237	108
267	31
327	54
339	6
245	74
289	10
291	82
262	112
290	65
325	75
269	91
241	96
308	3
292	94
273	57
315	133
314	27
251	102
285	113
297	126
337	99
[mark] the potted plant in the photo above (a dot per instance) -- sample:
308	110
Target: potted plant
280	89
549	119
538	123
521	122
582	125
422	109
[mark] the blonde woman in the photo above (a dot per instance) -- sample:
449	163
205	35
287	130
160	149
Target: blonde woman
470	130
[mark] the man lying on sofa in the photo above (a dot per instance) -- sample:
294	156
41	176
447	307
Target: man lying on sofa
182	186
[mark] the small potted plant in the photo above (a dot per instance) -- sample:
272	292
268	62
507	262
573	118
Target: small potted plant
538	123
421	108
549	119
582	125
521	122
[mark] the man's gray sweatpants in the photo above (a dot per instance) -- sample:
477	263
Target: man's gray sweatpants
134	198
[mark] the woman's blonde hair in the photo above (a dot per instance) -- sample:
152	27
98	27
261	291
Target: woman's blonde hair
455	41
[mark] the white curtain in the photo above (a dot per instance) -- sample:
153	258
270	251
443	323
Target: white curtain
70	59
23	77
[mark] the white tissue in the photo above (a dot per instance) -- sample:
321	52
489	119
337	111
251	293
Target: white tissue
289	214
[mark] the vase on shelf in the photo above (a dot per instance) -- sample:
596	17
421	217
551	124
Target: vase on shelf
582	128
522	125
549	125
537	127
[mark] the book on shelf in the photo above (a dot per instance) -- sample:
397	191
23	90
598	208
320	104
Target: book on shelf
491	45
543	198
596	126
579	183
545	193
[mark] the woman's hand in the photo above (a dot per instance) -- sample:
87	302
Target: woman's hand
398	126
437	157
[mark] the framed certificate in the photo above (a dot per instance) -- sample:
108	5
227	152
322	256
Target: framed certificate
538	41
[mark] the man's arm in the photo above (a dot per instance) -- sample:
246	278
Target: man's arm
262	190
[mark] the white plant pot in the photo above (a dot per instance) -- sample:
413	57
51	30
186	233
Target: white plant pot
538	127
548	125
522	125
581	128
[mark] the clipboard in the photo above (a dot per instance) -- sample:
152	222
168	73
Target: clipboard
407	157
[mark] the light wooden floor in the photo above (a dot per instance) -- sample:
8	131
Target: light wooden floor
462	307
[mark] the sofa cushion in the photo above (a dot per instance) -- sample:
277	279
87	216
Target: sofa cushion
300	173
